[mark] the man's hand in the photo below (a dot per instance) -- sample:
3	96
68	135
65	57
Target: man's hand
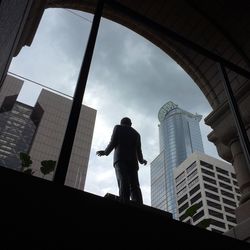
100	152
144	162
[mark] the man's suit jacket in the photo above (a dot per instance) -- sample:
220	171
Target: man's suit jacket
127	144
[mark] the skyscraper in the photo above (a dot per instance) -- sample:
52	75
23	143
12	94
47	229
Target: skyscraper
39	131
17	131
179	137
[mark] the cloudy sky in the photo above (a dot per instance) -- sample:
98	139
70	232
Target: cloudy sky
129	76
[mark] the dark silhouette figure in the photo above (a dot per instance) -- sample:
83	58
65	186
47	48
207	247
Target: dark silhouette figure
127	144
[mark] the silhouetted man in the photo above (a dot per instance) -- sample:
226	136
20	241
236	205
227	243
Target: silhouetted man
127	144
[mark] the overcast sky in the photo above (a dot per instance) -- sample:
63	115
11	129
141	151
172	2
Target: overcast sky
129	76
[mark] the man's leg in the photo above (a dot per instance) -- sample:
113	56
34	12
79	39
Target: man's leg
135	189
123	181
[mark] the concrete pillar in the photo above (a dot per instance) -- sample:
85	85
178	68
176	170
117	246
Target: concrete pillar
225	138
241	170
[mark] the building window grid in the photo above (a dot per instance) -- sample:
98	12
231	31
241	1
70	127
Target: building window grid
227	195
191	167
216	214
189	186
224	179
182	199
206	165
219	223
214	205
228	210
192	175
180	177
182	192
202	208
181	185
195	198
199	214
233	176
228	202
194	190
230	226
182	208
237	190
211	188
235	183
187	189
207	172
225	213
207	177
222	171
225	188
194	181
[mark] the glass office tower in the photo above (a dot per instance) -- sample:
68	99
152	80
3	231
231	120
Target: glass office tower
179	136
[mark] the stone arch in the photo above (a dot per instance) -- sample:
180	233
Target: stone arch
218	27
205	25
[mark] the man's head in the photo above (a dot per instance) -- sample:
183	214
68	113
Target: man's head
126	121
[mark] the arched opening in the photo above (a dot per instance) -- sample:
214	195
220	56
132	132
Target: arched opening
125	67
208	83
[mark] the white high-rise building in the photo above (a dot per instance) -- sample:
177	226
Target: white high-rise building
210	183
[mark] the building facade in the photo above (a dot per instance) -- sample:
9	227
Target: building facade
17	131
179	137
211	184
41	130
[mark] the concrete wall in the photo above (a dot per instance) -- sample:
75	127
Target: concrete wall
19	20
13	14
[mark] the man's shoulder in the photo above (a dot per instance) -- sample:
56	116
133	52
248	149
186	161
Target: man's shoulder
117	126
126	129
135	131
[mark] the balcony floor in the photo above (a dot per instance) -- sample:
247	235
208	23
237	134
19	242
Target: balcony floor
41	213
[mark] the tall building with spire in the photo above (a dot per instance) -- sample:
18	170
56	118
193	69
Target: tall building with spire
179	137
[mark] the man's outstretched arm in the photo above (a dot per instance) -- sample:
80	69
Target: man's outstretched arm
111	145
100	152
139	152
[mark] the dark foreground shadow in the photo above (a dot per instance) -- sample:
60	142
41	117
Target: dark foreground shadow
45	215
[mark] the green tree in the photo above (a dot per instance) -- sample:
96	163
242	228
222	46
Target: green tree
47	166
26	163
191	211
